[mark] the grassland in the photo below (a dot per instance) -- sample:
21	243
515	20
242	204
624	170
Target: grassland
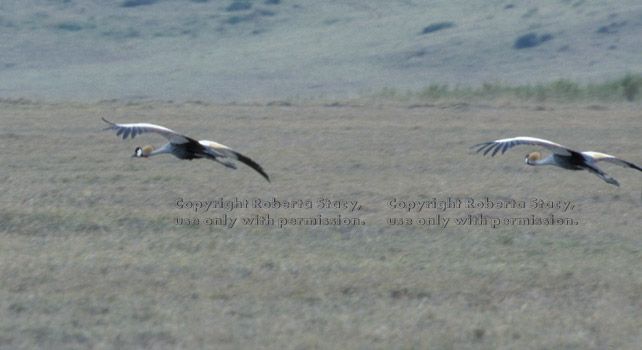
91	257
625	88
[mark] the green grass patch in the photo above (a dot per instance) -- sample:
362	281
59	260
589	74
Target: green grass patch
626	88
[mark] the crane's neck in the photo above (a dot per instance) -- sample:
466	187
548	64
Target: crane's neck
167	148
546	161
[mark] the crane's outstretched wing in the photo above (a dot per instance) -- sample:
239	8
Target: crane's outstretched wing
505	144
597	156
211	149
141	128
218	149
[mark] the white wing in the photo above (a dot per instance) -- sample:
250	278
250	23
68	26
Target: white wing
597	157
505	144
140	128
219	150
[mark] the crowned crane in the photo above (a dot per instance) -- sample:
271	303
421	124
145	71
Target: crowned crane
183	147
562	156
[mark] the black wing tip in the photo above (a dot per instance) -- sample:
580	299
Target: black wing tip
497	148
263	173
481	146
252	164
267	178
112	126
633	166
490	146
494	147
125	131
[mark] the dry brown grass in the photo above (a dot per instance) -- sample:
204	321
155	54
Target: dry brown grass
91	257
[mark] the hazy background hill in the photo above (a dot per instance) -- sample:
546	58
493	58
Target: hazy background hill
269	49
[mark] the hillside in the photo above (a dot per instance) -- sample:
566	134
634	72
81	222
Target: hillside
271	49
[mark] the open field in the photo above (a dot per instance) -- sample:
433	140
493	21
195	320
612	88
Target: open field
359	105
92	257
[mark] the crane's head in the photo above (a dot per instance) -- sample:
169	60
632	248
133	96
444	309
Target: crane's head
532	157
143	151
